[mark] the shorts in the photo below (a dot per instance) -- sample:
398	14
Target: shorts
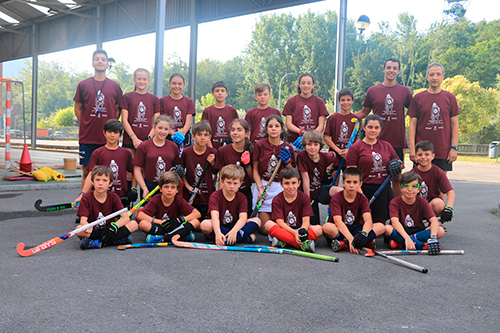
401	153
273	190
443	164
85	151
353	229
130	146
380	207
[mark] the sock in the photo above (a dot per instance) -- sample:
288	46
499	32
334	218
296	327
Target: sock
156	229
122	233
423	235
247	229
395	236
183	230
371	236
311	235
284	235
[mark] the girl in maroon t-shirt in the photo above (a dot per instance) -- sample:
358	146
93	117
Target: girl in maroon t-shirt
155	156
139	109
266	155
304	111
372	157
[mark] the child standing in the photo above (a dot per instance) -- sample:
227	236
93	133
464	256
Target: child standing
179	108
229	222
219	115
304	111
290	217
265	158
434	182
315	169
407	212
195	158
257	116
99	203
168	214
350	224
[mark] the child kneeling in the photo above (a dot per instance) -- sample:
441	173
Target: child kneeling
407	213
233	226
350	224
168	214
291	215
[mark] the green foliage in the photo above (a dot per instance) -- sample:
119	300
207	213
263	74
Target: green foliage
207	100
64	117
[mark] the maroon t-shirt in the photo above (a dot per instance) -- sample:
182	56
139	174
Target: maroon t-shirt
177	109
267	156
99	99
350	212
156	160
316	171
371	160
433	113
411	216
94	210
305	113
256	119
291	212
141	110
340	127
219	120
227	155
179	207
119	161
390	103
195	164
434	182
229	211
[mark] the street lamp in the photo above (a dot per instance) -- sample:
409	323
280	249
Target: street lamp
279	93
362	23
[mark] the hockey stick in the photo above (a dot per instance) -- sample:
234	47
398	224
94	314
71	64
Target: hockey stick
203	246
261	200
26	253
397	260
198	184
349	144
381	187
49	208
297	252
139	245
404	252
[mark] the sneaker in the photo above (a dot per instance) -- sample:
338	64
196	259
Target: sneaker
249	239
189	238
90	244
277	243
395	245
371	244
154	238
338	246
126	240
308	246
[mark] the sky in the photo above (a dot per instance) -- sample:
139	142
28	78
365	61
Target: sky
234	40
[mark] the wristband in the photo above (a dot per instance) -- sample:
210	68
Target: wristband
153	221
133	189
454	147
449	208
364	233
132	135
81	193
149	137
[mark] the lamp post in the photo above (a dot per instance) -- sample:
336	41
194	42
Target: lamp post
279	93
362	24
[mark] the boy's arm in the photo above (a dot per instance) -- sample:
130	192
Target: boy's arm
434	226
365	111
140	180
401	230
368	225
450	198
195	214
321	124
337	219
411	137
87	186
305	183
187	185
78	110
124	219
219	237
231	235
306	222
328	140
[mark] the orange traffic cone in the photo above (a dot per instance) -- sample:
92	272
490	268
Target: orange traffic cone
25	165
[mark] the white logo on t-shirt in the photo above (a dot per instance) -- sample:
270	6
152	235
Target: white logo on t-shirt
291	219
377	162
389	107
221	127
177	117
271	165
409	221
344	130
114	167
228	218
307	115
424	190
160	168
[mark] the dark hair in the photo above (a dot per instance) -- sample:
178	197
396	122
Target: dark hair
345	92
113	125
300	78
374	117
176	75
169	177
425	146
289	173
246	127
261	87
409	177
352	171
393	60
280	121
201	126
102	170
99	52
219	84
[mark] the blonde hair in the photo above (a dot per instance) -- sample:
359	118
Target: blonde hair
232	171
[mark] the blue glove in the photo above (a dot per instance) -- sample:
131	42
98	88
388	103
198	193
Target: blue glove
178	138
298	143
285	156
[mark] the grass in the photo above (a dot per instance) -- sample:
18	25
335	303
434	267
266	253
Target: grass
481	159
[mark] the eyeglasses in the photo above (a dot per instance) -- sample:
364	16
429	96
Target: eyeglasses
410	186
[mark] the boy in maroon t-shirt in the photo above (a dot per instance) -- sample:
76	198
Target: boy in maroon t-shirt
229	223
219	115
407	213
349	226
434	182
290	216
119	161
168	214
99	203
257	116
195	159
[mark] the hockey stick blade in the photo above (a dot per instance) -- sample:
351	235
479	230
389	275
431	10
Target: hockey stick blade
26	253
50	208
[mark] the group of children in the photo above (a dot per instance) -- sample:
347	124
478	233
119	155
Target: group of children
257	169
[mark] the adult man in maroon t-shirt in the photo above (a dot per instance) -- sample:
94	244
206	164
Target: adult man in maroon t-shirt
389	100
434	117
96	100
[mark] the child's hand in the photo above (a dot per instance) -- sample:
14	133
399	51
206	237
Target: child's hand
343	153
297	238
136	141
77	200
145	192
231	237
261	190
410	245
352	249
88	231
220	238
211	159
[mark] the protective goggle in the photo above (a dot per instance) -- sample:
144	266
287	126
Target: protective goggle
410	186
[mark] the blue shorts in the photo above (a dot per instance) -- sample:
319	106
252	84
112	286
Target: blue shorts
85	151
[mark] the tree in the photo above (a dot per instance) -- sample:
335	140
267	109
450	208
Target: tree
64	117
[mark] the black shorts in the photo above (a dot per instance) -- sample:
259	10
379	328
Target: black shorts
442	164
401	153
130	146
85	151
380	207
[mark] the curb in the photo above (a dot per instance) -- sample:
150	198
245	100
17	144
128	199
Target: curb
35	186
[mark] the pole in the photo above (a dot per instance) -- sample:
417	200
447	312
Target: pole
340	62
160	40
34	88
8	109
193	52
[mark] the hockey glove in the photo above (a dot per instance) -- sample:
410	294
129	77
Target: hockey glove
110	233
245	159
179	170
394	167
285	156
173	224
304	235
298	143
302	131
132	195
360	240
227	141
433	245
178	138
447	214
